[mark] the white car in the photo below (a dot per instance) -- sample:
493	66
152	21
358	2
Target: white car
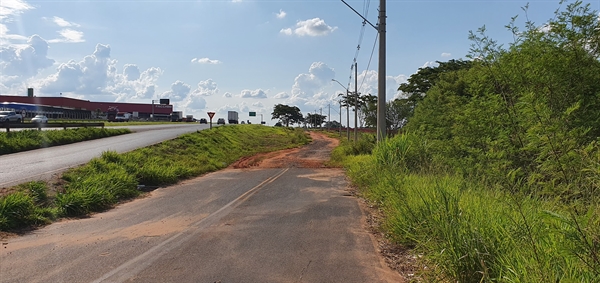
39	119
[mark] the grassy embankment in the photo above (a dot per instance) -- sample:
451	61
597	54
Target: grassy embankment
17	141
113	177
469	230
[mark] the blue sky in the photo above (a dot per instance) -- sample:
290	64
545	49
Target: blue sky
238	55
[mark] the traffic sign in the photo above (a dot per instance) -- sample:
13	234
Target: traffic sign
211	115
252	114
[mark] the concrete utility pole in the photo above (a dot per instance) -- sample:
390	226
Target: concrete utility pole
347	109
340	118
381	123
355	102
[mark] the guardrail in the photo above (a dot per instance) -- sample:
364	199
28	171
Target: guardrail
39	126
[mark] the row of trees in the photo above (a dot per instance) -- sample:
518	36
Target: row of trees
290	115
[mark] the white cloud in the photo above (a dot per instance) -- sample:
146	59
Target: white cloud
10	8
179	91
259	93
25	61
69	36
286	31
96	76
368	83
63	23
205	61
282	95
446	55
430	64
227	94
258	104
206	88
311	27
319	76
281	14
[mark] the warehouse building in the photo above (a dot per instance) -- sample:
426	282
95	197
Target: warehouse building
71	108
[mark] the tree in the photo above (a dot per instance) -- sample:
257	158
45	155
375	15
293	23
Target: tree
424	79
315	119
287	114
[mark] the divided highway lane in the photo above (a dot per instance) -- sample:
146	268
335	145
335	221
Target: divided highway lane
42	163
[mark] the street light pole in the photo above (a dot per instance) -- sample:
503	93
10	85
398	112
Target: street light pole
355	102
347	109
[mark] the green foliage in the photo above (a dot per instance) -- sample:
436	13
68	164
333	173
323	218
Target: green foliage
18	141
497	178
287	114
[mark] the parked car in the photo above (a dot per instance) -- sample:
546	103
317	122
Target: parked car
10	116
203	121
221	121
39	119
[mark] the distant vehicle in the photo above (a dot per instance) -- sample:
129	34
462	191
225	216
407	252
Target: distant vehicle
122	117
221	121
189	118
176	116
232	116
243	122
39	119
10	116
203	121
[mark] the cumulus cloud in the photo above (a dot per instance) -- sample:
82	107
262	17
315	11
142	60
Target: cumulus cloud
179	91
25	61
258	104
282	95
228	95
281	14
205	61
206	88
308	84
258	93
446	55
311	27
96	76
368	83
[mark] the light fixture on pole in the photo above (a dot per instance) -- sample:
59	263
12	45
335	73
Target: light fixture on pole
347	109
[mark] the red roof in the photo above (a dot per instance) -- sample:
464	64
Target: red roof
67	102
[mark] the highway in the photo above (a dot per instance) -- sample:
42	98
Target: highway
41	164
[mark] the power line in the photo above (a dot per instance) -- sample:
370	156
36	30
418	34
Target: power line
368	65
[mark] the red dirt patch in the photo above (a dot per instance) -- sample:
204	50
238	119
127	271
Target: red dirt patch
313	155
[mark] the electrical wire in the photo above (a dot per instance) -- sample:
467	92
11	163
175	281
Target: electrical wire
369	65
366	4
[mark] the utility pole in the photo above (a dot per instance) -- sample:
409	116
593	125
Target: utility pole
340	118
381	124
355	102
328	116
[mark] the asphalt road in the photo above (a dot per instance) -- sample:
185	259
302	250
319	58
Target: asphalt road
42	163
235	225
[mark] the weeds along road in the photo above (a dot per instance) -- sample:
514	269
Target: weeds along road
40	164
274	218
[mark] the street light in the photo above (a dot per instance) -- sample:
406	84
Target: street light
347	109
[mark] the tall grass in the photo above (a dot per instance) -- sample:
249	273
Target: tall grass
17	141
469	232
114	177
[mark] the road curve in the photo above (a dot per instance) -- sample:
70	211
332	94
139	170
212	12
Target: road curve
42	163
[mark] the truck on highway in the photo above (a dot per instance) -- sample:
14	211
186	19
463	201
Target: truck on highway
232	116
122	117
176	116
189	118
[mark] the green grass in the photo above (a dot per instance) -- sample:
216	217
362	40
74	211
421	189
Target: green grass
114	177
470	232
17	141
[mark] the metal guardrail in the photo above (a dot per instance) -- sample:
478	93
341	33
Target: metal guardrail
39	126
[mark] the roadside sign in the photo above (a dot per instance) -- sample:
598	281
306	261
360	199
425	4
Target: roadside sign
252	114
211	115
